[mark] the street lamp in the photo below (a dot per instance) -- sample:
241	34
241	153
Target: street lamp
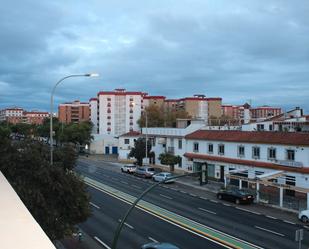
146	115
51	108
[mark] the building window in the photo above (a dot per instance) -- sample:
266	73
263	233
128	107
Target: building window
108	104
290	155
256	152
180	144
260	127
221	149
241	151
131	111
131	123
131	128
127	141
108	129
210	148
108	99
131	98
108	110
108	117
180	163
131	117
270	127
195	147
271	153
108	123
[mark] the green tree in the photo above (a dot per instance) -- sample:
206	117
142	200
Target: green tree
159	117
55	196
169	159
139	150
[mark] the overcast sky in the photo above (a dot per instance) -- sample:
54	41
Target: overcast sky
241	51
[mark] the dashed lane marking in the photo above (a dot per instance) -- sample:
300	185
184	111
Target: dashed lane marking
94	205
123	182
214	201
101	242
249	211
193	195
167	197
289	222
127	224
135	186
271	217
206	210
152	239
270	231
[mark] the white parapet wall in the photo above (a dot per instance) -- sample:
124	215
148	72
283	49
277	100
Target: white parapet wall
18	229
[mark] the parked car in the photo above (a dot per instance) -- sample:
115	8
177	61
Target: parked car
235	195
157	245
146	172
163	176
128	168
304	216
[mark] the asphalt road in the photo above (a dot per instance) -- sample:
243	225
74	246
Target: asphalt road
267	232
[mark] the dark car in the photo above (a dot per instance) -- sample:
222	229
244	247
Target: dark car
157	245
235	195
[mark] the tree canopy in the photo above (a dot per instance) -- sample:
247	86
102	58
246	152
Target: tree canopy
139	150
160	117
54	195
169	159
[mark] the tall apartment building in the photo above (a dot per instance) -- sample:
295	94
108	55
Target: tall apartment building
264	112
35	117
19	115
73	112
117	111
12	115
154	100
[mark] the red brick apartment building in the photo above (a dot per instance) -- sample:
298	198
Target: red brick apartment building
74	112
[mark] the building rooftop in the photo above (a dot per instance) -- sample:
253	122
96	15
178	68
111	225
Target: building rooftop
261	137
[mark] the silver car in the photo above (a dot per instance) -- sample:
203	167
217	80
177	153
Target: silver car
146	172
163	176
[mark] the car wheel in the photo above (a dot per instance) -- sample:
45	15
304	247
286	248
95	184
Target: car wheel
237	201
220	197
304	219
128	172
122	170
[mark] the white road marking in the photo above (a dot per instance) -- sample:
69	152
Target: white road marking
271	217
92	204
101	242
249	211
127	224
203	198
214	201
307	227
175	224
289	222
228	205
174	189
208	211
193	195
123	182
270	231
184	192
167	197
135	186
152	239
115	179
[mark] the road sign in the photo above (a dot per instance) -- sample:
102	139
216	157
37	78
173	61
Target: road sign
299	236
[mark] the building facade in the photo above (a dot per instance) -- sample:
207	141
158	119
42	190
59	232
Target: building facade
74	112
18	115
118	111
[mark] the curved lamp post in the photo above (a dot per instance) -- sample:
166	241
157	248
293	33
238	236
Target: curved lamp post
123	220
51	142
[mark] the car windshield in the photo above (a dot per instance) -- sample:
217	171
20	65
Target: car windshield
150	169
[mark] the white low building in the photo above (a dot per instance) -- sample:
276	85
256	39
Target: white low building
252	154
103	144
171	140
126	143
